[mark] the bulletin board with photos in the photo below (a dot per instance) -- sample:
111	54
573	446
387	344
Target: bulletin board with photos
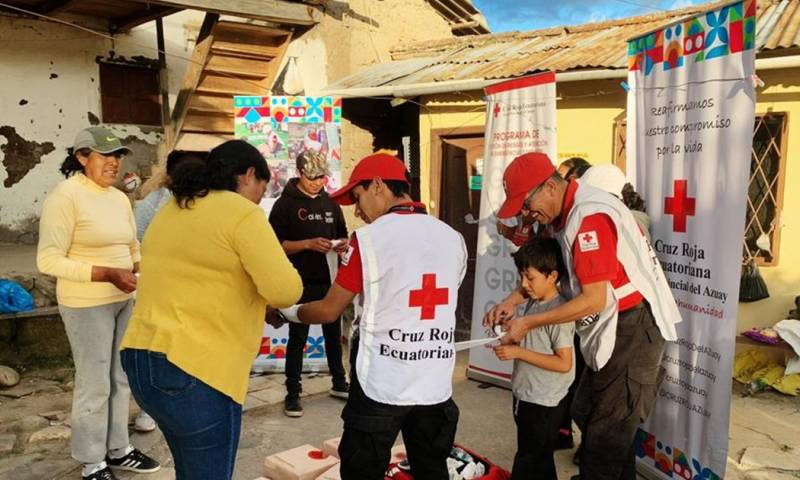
282	127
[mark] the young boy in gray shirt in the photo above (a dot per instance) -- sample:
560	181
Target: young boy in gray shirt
543	363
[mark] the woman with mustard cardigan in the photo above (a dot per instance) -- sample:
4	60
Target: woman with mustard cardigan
211	265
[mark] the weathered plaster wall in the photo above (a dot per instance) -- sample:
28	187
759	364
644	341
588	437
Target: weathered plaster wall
50	82
50	85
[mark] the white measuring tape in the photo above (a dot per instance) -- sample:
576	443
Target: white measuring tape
290	314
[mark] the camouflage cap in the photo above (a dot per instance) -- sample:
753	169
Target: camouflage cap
312	164
100	140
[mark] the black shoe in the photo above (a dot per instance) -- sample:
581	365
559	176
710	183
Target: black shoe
340	390
292	407
104	474
564	442
135	461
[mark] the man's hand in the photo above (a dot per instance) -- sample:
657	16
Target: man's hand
507	352
515	330
504	230
498	314
319	244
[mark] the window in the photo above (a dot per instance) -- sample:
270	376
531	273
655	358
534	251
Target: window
765	190
620	129
765	194
130	94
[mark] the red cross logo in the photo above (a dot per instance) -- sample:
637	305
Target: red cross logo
496	110
428	297
588	238
679	206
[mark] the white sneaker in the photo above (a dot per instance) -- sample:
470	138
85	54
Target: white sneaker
144	422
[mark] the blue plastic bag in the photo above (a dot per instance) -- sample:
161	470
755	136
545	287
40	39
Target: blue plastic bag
14	298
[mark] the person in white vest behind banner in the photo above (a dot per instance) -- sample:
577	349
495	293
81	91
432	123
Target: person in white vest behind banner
619	298
406	267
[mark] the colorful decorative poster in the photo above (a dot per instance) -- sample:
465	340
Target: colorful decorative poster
719	33
283	127
272	354
691	107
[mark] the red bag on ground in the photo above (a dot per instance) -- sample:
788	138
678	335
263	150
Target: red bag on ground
493	472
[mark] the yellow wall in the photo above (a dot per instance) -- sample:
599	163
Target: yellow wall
781	94
586	115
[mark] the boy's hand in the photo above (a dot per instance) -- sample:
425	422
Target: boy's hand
340	245
507	352
319	244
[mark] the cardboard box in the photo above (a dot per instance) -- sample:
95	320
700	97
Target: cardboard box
331	447
302	463
331	474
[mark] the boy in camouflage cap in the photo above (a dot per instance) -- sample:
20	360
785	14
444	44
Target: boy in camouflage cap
312	164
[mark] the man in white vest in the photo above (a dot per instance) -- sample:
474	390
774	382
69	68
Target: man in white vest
406	268
619	298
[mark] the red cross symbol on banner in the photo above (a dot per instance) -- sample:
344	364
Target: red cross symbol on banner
428	297
679	206
496	110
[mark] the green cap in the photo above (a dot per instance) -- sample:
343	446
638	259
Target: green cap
100	140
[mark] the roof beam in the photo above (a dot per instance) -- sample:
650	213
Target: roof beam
278	11
473	25
123	24
52	7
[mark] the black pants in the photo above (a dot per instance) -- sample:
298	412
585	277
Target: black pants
610	404
371	428
298	336
536	437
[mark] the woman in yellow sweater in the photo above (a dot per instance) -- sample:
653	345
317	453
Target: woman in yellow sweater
211	266
87	240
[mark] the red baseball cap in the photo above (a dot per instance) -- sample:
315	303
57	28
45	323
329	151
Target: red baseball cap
380	165
522	175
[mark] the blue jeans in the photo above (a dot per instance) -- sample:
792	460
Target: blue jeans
201	425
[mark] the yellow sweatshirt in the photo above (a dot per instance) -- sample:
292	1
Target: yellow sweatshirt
207	274
82	225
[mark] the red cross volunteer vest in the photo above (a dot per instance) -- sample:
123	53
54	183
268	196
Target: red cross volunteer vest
598	333
412	268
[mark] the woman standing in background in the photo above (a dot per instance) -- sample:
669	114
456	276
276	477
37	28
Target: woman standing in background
87	240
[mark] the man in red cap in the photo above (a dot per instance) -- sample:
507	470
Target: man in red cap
406	267
619	298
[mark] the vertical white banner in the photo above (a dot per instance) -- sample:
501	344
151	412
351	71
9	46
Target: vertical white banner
520	118
691	108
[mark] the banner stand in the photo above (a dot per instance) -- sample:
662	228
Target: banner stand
520	118
691	110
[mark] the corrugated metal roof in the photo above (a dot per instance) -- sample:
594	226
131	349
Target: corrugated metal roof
589	46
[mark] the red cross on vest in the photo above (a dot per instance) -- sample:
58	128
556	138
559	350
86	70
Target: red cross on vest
428	297
588	238
679	206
